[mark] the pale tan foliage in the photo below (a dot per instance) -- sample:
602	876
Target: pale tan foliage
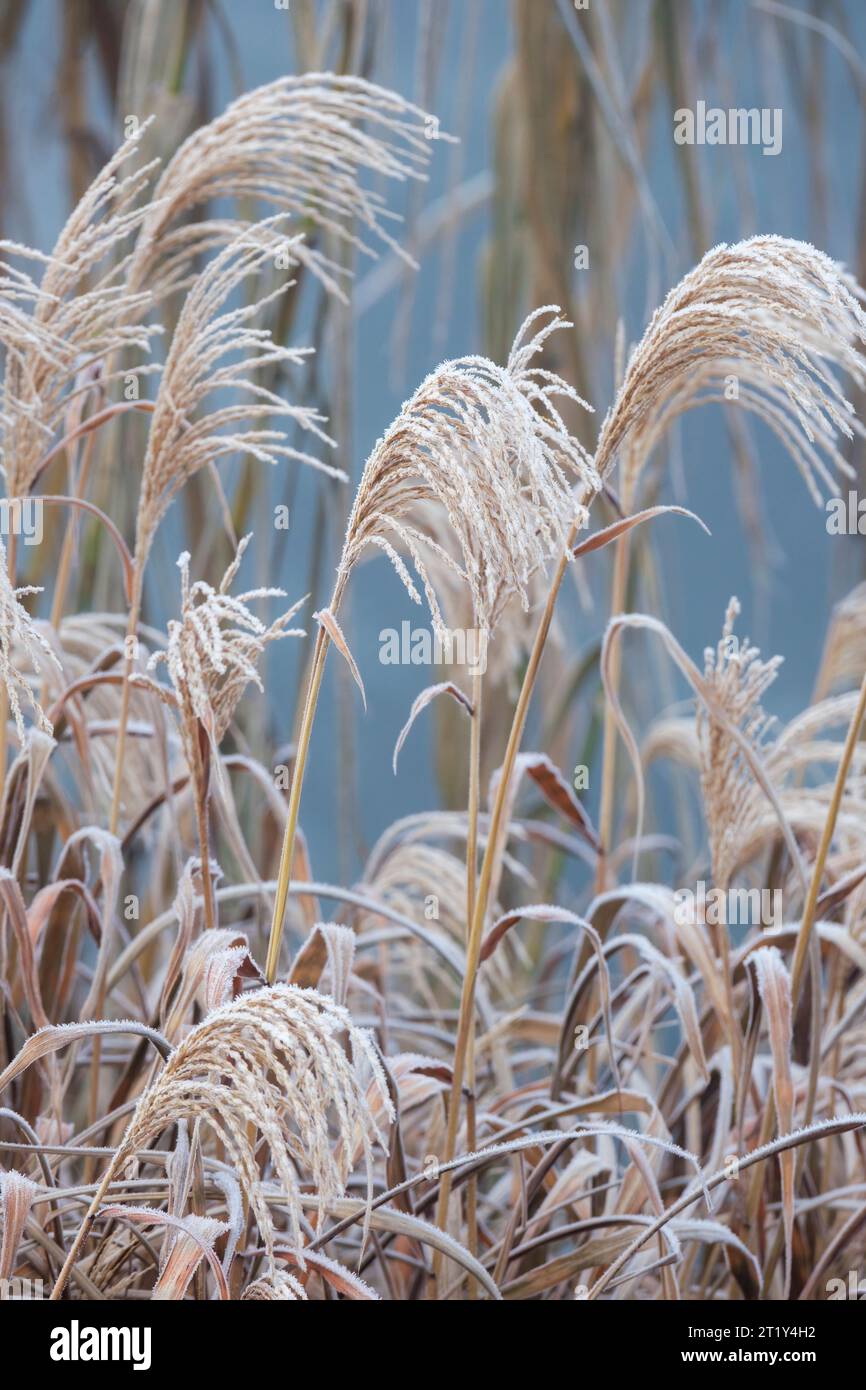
21	642
214	350
427	884
16	1199
270	1063
85	644
844	657
82	312
297	146
212	969
516	617
214	647
185	1256
281	1287
798	759
488	445
774	983
253	1110
738	678
774	314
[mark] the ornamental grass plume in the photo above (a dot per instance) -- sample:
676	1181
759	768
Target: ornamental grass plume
20	639
738	679
487	447
59	336
81	311
283	1065
761	323
774	314
214	350
212	656
297	146
741	819
213	650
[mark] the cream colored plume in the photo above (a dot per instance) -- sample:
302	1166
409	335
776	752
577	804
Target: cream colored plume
297	146
768	318
80	313
20	641
488	446
738	678
282	1063
214	648
216	350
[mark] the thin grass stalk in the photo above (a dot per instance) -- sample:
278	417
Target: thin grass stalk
735	1037
619	591
67	552
618	600
197	1194
86	1226
287	854
778	1242
4	698
807	924
200	796
471	884
123	717
473	952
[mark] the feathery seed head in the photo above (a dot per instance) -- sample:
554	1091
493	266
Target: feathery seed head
273	1063
299	146
20	638
775	315
214	648
739	679
487	446
215	349
80	312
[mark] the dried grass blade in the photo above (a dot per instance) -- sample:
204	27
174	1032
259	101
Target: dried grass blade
421	702
325	618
